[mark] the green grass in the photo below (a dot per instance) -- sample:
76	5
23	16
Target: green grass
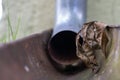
12	31
10	34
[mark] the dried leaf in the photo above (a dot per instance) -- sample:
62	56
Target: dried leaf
92	36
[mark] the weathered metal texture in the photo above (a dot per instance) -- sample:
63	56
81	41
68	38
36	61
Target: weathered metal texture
26	59
111	68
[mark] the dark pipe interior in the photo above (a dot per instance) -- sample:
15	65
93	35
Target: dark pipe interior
63	46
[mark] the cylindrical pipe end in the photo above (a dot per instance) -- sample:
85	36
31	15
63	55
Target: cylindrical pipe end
62	48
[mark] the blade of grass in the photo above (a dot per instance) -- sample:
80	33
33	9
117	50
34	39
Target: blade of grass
9	27
11	34
17	28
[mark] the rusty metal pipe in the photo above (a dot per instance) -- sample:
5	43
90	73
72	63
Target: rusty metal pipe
70	15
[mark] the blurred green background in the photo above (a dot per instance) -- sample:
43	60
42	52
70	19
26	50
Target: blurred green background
38	15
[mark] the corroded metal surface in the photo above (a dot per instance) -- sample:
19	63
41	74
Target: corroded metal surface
111	68
26	59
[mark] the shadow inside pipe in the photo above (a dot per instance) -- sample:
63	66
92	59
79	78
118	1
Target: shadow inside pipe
62	47
62	53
